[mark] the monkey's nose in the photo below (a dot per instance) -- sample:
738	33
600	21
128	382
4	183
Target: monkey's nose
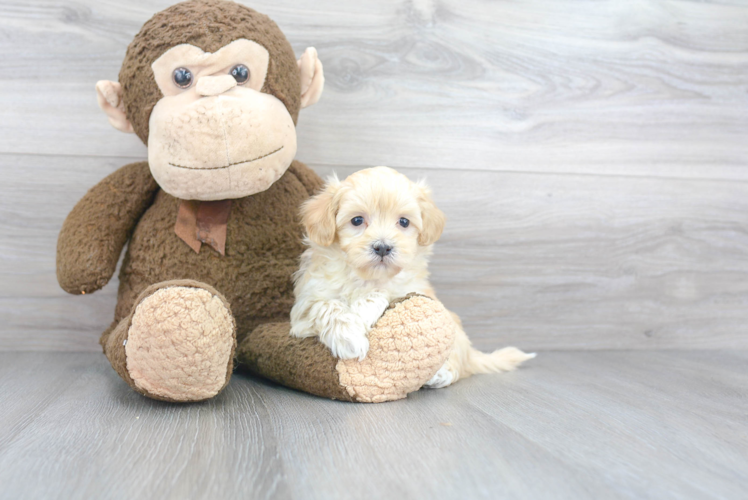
214	85
381	249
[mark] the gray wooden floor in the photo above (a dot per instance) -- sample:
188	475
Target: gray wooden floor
577	425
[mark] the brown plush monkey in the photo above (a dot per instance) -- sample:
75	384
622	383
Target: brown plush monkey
214	89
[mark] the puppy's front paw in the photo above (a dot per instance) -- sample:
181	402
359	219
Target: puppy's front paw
442	378
371	307
299	330
346	337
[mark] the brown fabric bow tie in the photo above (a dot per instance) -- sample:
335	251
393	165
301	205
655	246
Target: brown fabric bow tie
201	222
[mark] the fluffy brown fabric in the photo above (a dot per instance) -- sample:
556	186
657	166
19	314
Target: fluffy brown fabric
304	364
220	23
263	240
97	228
262	249
263	245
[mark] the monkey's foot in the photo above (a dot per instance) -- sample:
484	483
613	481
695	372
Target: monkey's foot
179	343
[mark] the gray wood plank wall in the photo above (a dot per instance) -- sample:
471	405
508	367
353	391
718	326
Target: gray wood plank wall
590	156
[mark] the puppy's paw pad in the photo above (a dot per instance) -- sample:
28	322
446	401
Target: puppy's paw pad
441	379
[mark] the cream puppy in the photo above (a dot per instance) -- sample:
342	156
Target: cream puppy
370	238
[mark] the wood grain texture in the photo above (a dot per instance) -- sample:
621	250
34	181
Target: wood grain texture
538	261
590	156
650	87
574	425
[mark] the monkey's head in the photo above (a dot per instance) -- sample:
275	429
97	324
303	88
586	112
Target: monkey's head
214	90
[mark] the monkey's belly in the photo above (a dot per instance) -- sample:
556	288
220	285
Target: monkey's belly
263	245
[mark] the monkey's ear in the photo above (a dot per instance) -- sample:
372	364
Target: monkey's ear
109	96
433	218
312	77
318	214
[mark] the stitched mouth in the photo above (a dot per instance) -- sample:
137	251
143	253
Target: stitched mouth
230	164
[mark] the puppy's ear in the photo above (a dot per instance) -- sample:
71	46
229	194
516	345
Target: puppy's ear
318	214
433	218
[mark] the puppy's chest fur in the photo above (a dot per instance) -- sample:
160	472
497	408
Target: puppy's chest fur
326	274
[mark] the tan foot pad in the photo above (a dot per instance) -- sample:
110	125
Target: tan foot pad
406	347
180	344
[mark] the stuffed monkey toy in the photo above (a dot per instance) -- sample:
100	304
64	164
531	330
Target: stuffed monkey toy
214	90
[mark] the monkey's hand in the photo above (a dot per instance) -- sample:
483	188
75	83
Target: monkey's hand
96	230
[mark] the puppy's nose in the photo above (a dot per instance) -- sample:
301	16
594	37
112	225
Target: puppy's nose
381	249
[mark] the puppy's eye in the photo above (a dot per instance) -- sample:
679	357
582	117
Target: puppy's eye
357	221
404	222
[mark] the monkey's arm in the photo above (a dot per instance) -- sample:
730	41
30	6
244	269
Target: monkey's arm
96	230
308	177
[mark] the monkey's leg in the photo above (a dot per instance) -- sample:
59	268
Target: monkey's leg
177	344
408	344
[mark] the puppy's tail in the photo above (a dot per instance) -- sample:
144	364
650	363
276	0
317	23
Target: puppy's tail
502	360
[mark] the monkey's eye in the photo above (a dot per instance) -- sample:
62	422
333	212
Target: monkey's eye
357	221
182	78
404	222
240	73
